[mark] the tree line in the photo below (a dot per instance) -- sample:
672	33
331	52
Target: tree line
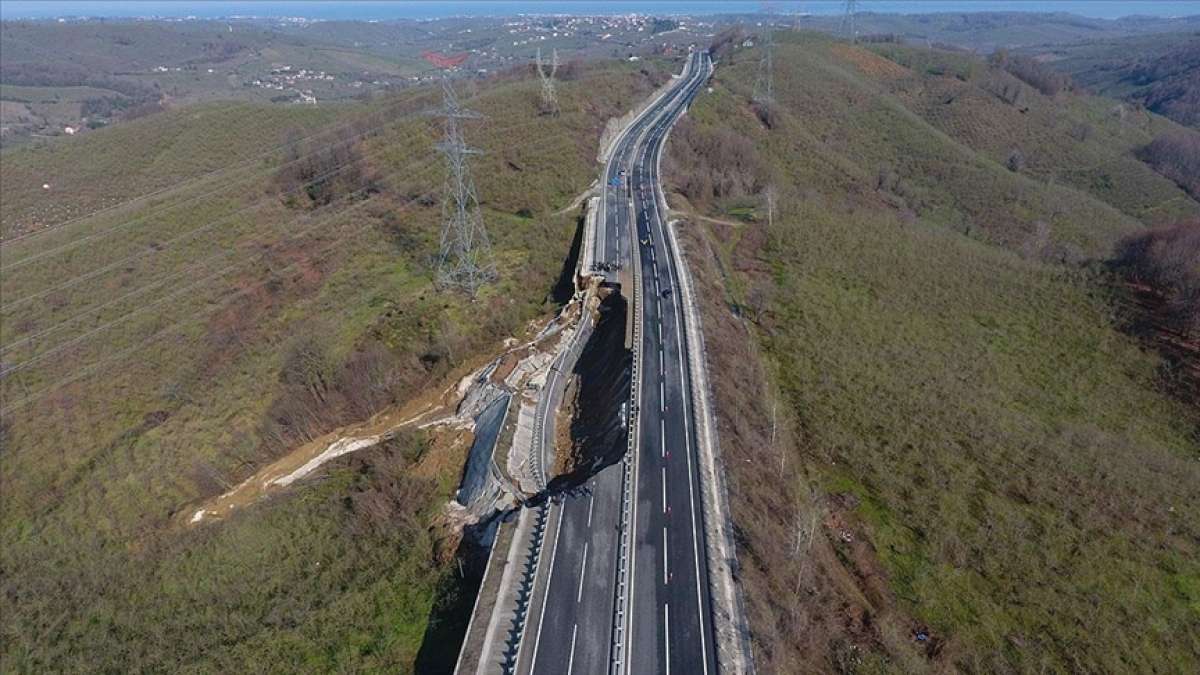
63	75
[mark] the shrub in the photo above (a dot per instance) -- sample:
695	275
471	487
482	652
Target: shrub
142	110
105	106
726	42
1015	161
324	168
317	394
1032	72
1168	259
714	164
1006	89
1176	155
61	75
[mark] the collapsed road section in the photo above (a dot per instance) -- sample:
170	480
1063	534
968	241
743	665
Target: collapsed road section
607	569
562	399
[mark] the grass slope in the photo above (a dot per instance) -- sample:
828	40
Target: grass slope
327	315
150	154
936	428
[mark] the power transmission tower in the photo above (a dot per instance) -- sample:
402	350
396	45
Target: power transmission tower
848	20
465	256
764	86
549	94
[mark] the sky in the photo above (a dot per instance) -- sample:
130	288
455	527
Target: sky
424	9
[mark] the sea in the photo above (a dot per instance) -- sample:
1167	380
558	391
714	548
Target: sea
353	10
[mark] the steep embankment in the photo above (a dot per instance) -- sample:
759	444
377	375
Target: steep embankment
591	430
943	453
157	355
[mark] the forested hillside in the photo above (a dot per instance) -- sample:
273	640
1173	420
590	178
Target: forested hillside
1161	72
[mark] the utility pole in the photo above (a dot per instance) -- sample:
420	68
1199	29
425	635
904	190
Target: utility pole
848	20
465	256
549	95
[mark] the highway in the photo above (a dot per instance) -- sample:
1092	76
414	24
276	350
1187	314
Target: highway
641	607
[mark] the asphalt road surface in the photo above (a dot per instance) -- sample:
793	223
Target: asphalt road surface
668	626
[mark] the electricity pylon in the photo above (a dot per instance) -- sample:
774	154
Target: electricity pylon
465	256
764	86
549	94
848	20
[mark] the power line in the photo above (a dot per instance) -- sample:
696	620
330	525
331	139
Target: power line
94	366
546	141
75	243
162	246
165	245
112	358
203	178
317	222
205	262
10	266
216	173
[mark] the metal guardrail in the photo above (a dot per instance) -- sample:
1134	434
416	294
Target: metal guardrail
737	649
532	559
546	404
525	591
621	610
621	605
633	424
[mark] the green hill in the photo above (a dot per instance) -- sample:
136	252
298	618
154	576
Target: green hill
986	31
1160	72
944	455
159	353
